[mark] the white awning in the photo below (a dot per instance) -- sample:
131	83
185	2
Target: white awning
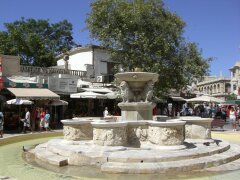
88	95
178	98
98	90
33	93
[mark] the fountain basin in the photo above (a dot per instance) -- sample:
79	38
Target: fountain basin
137	132
77	129
197	127
132	133
167	133
109	133
137	80
137	76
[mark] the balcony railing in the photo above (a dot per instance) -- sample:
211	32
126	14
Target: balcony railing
43	70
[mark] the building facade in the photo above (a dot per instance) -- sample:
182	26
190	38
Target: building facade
94	60
235	79
218	87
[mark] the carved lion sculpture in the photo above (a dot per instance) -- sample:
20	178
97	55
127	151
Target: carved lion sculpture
127	94
147	93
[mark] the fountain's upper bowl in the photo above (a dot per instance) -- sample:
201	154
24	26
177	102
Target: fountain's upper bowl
136	76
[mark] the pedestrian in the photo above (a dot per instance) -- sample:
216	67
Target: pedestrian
233	118
47	120
27	121
35	119
1	124
224	114
42	115
105	112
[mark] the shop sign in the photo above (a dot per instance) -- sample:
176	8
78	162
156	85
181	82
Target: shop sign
62	85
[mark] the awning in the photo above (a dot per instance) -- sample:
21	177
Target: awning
178	98
21	83
33	93
88	95
98	90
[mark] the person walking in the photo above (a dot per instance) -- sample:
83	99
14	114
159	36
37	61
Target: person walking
27	121
233	118
47	120
42	115
1	124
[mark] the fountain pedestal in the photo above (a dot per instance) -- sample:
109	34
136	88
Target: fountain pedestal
136	111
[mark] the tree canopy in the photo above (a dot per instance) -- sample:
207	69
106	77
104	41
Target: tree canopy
36	42
144	34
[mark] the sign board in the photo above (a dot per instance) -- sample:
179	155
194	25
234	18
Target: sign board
68	85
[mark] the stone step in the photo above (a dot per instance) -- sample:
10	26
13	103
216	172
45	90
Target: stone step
173	166
43	154
164	156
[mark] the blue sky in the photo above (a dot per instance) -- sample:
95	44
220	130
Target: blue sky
213	24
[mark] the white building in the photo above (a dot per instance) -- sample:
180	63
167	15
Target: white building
92	59
235	79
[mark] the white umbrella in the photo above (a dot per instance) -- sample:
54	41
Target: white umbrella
19	102
205	98
88	95
58	102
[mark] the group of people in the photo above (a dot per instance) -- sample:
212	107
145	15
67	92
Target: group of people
40	119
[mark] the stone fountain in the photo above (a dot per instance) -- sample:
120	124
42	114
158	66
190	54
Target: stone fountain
135	143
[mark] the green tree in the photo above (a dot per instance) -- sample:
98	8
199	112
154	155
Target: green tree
36	42
142	33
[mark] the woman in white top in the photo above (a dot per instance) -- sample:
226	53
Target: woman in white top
233	118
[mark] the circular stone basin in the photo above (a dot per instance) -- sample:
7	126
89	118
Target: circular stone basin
77	129
109	133
196	119
169	133
172	122
197	127
136	80
75	121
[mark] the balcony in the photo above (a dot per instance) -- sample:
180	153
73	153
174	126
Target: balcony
49	71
